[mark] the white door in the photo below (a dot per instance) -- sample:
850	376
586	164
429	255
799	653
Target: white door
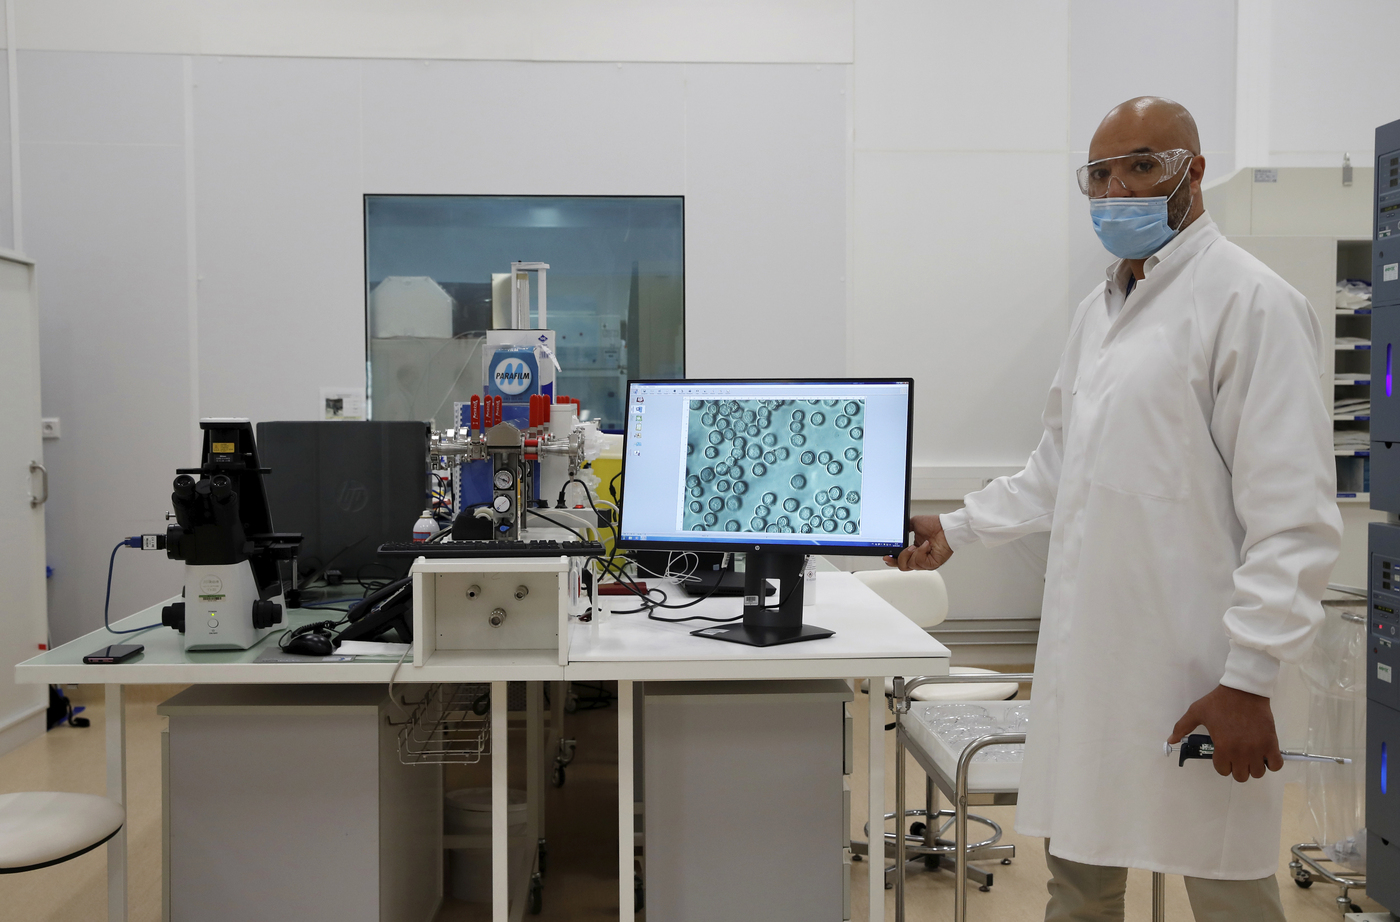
23	607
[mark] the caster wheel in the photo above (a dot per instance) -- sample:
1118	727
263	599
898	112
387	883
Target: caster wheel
931	862
536	897
543	859
917	829
1355	908
857	857
1304	882
557	777
1006	861
639	894
985	889
571	705
889	885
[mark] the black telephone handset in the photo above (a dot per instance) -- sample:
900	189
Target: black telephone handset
384	610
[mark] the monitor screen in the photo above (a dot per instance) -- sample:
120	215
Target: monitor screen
814	465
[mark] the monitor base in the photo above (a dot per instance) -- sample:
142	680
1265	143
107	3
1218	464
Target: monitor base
763	636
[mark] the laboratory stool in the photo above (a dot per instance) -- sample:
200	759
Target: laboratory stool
922	597
43	828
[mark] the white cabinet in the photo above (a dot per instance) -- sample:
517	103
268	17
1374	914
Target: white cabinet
23	487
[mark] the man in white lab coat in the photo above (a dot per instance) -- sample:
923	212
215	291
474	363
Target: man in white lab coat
1186	478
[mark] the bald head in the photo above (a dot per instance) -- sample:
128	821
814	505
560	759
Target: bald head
1147	123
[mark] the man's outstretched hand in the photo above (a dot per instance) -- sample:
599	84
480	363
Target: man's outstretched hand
1241	726
930	549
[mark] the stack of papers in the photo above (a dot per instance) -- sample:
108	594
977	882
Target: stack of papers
1353	293
1357	406
1351	342
1351	440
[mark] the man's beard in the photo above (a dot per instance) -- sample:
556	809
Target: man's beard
1179	204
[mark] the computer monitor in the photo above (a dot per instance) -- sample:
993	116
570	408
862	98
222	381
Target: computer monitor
776	469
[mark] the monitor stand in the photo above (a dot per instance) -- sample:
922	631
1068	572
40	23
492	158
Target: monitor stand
770	625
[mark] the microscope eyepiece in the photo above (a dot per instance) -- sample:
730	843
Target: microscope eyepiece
221	487
184	486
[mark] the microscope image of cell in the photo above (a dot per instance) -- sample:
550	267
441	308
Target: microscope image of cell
761	458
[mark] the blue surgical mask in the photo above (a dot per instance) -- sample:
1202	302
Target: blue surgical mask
1134	228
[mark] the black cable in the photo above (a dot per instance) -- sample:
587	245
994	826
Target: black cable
106	605
630	585
576	533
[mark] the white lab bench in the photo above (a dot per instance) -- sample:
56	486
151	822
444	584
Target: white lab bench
873	640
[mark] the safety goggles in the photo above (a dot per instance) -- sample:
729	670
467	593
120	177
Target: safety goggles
1137	173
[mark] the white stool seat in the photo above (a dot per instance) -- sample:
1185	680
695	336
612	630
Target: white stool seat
40	828
970	691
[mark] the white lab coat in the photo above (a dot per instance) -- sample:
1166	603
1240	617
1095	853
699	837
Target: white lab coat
1186	478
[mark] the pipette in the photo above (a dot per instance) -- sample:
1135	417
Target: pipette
1200	746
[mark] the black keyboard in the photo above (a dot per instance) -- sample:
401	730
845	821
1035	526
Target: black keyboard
493	549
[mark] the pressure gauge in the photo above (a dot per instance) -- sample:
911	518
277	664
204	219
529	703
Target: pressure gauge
501	504
504	479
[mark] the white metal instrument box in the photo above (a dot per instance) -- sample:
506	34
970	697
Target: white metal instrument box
490	607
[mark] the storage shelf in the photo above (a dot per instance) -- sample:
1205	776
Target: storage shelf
1353	311
1346	379
1361	453
1344	417
1352	347
1353	497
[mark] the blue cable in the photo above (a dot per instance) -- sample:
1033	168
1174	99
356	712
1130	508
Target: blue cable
111	563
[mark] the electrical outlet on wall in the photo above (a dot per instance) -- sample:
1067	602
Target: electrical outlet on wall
49	427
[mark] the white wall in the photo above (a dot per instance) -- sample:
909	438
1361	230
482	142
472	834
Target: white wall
872	186
200	223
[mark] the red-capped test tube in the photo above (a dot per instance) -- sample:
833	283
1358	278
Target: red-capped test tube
476	413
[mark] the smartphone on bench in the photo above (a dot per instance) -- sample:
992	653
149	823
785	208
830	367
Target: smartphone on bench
116	653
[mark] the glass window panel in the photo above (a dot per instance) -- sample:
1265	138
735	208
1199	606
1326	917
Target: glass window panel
615	294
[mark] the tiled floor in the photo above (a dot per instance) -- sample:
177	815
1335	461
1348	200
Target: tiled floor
581	884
